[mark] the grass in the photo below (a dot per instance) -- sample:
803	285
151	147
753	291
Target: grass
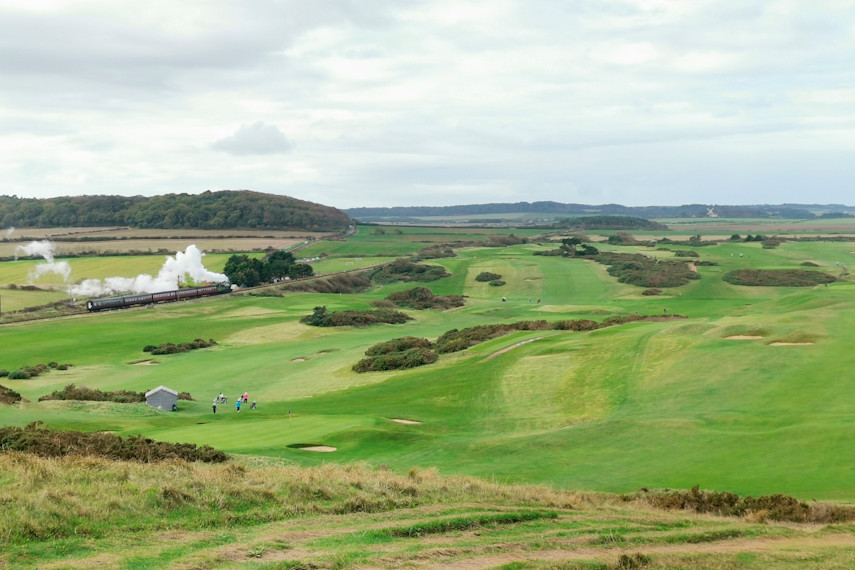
86	512
662	404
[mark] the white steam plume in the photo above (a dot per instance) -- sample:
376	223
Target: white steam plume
9	231
185	265
46	250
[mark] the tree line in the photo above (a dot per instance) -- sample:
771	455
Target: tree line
227	209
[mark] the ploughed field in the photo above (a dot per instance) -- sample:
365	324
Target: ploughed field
750	393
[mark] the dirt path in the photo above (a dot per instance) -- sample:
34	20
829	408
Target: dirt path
793	546
513	346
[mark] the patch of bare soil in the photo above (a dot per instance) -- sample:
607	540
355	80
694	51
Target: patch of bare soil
401	421
795	547
790	343
693	267
319	448
743	337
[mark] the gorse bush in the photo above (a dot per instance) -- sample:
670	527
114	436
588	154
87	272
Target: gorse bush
404	359
398	345
774	507
37	439
406	270
82	393
27	372
778	277
485	276
171	348
397	354
8	396
321	318
637	269
421	298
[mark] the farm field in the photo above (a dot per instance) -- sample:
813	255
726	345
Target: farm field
671	404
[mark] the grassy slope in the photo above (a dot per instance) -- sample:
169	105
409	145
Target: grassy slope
668	404
88	513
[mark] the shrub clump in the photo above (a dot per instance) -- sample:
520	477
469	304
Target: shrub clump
406	270
37	439
496	283
421	298
651	292
8	396
776	507
172	348
456	340
84	394
397	354
637	269
778	277
485	276
27	372
686	253
321	318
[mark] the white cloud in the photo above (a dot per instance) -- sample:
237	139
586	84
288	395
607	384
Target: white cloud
429	101
257	138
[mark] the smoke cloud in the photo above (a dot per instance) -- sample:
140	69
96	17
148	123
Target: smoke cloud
186	266
9	232
46	250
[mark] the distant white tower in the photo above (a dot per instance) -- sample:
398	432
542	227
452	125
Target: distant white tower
711	213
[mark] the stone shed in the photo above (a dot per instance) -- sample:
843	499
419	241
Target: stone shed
162	398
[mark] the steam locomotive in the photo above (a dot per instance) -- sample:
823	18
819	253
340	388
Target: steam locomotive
148	298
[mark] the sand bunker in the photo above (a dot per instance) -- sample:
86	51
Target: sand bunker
298	360
790	343
319	448
145	363
743	337
400	421
693	267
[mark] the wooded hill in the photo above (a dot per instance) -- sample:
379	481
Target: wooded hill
226	209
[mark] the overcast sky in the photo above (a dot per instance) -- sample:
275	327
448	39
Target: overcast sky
399	103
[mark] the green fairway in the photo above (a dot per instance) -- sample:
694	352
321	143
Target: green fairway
749	393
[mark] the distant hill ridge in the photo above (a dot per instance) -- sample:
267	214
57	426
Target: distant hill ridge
797	211
226	209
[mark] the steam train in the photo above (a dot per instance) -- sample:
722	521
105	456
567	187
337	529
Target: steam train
148	298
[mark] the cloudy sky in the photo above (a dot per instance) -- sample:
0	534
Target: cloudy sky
407	102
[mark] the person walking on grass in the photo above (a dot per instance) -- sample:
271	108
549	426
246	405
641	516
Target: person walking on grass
237	405
215	405
245	397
